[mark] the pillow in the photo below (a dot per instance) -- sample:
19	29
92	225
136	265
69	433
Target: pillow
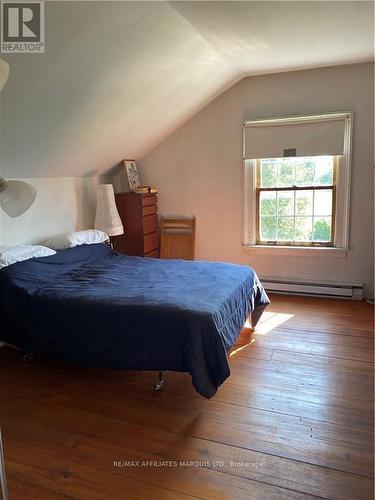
17	253
70	240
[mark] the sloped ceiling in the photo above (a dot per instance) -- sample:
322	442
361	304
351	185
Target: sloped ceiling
118	77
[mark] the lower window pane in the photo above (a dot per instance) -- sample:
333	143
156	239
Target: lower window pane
285	229
304	202
322	202
285	203
268	226
267	201
303	229
322	229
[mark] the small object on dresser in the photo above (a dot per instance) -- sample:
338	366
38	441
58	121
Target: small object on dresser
132	174
146	189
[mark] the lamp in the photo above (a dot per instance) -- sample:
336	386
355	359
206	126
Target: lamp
4	73
16	196
107	218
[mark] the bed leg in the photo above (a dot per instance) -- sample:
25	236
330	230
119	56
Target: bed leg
159	385
3	479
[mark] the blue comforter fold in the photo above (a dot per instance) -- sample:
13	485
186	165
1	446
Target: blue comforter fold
92	306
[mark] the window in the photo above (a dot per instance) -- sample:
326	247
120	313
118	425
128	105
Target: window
295	200
297	203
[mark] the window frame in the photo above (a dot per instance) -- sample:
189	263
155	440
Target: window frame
294	243
340	245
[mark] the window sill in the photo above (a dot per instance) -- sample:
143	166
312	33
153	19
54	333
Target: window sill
297	251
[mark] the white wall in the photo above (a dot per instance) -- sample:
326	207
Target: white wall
62	204
199	168
117	77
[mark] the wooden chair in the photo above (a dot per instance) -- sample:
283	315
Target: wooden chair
177	237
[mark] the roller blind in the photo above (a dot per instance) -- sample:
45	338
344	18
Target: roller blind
312	136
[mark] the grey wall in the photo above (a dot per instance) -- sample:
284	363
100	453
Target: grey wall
199	169
62	204
117	77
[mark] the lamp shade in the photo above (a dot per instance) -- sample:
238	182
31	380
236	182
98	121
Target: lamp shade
107	218
16	197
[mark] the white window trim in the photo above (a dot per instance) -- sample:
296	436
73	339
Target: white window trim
341	243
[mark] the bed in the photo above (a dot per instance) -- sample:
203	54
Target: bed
92	306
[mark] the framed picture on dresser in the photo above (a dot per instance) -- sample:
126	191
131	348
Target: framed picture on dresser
132	174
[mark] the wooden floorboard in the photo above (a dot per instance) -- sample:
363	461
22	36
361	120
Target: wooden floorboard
296	417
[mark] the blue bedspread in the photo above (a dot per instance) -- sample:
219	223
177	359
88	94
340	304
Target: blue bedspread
92	306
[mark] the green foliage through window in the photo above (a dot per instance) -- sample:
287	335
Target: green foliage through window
304	211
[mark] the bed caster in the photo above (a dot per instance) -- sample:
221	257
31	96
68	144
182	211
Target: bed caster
159	385
29	357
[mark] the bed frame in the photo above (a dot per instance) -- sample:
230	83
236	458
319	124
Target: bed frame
30	357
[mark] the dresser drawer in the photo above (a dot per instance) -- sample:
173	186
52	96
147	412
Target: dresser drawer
150	242
150	224
149	210
148	200
154	254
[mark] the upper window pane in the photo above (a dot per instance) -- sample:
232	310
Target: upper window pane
324	171
286	172
305	171
299	171
268	172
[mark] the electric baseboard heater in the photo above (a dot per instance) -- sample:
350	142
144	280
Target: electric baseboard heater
353	291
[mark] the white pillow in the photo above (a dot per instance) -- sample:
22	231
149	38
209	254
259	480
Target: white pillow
70	240
17	253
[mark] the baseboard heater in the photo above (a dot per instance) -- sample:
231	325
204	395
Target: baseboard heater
353	291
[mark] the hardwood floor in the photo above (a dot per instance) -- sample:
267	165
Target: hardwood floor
295	417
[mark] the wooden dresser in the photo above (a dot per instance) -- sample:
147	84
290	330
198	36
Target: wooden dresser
139	215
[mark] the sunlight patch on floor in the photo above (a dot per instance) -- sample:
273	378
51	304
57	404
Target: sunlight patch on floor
267	322
271	320
236	350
